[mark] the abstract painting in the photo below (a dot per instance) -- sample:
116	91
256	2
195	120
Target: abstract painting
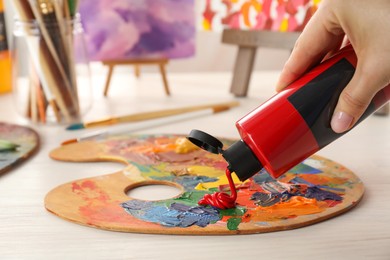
313	191
269	15
133	29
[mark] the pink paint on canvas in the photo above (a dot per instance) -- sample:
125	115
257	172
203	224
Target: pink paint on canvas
272	15
125	29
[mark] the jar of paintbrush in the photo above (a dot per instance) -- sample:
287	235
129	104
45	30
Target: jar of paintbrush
51	74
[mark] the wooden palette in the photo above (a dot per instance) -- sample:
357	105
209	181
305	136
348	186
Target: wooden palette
27	141
313	191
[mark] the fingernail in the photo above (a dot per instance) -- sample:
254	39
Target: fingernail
281	84
341	122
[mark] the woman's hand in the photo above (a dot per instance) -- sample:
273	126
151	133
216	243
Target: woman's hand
366	24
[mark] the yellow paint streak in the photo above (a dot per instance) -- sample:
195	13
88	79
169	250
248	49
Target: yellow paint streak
205	171
200	187
222	180
183	145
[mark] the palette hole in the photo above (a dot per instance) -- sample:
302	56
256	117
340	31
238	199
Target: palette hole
154	192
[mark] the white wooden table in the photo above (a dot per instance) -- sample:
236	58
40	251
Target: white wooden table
28	231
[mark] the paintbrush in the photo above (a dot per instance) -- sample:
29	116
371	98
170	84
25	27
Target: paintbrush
43	11
72	7
215	108
138	126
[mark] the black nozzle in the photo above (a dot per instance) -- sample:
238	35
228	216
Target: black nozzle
241	160
239	156
205	141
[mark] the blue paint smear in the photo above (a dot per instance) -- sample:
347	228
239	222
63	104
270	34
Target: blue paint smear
319	194
262	176
188	182
200	216
262	223
274	196
305	169
330	188
141	167
177	215
298	180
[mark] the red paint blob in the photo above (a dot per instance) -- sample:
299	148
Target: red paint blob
221	200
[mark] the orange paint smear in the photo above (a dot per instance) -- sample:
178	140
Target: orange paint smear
99	209
294	207
319	179
164	148
244	199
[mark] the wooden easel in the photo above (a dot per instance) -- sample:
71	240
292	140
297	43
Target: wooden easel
248	41
137	63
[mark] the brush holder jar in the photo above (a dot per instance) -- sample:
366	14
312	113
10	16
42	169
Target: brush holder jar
51	73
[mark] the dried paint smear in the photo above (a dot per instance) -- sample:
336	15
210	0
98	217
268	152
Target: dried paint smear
304	190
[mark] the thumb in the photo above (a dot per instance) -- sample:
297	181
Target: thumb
355	99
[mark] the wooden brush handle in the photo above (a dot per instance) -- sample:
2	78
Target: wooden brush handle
176	111
162	113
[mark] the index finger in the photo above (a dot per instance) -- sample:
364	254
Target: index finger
321	35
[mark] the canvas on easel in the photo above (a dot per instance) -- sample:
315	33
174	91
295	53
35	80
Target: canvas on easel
139	33
253	24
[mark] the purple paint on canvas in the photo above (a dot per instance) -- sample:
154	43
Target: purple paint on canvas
125	29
